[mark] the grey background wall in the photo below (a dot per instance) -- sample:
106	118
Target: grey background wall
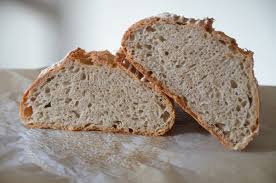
37	33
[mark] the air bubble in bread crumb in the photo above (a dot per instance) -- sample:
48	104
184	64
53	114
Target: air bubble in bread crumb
148	46
161	38
68	100
82	76
233	84
150	29
47	90
48	105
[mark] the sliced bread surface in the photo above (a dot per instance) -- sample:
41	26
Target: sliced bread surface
203	70
89	91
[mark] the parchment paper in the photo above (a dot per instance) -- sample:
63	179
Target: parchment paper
187	154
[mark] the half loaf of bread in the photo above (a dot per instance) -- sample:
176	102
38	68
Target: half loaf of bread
89	91
203	70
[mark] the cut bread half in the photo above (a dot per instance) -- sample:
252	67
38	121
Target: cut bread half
89	91
203	70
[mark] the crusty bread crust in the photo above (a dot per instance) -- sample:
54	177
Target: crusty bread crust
97	58
206	25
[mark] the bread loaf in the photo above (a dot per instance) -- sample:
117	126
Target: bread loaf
203	70
89	91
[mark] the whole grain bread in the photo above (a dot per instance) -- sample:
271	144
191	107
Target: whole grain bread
203	70
89	91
